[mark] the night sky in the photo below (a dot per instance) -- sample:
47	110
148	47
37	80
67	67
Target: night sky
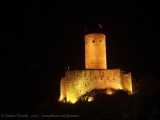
40	38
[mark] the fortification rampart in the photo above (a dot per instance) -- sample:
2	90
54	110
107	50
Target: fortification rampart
78	82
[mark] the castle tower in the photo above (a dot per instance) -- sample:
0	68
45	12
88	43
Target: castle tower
95	51
76	83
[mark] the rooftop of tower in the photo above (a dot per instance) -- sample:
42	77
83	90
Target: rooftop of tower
95	28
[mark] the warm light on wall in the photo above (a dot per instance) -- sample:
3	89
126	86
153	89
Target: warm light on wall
95	51
77	83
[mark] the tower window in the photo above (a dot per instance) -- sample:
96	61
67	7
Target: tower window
100	41
93	41
86	42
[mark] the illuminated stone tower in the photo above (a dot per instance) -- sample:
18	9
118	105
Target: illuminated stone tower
95	51
76	83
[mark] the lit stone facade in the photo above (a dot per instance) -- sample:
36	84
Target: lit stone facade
76	83
95	51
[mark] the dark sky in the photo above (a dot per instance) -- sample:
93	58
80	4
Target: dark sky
40	38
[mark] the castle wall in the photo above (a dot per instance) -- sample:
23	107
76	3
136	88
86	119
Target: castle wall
63	89
95	51
127	82
78	82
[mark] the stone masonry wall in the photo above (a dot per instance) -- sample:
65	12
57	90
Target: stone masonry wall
78	82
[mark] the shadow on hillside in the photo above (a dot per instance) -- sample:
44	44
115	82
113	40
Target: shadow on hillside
117	106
